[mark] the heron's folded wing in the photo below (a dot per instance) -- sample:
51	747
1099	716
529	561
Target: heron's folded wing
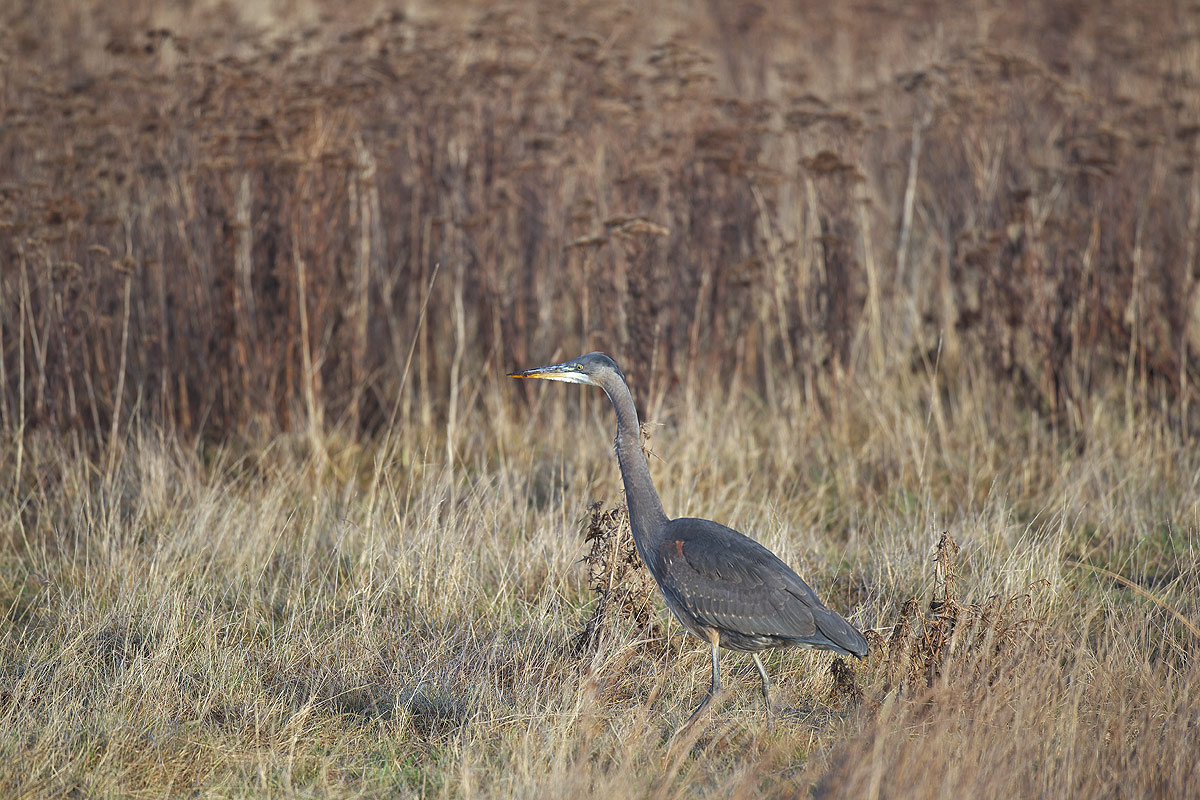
729	581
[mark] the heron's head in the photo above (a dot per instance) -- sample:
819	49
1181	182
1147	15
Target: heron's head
592	369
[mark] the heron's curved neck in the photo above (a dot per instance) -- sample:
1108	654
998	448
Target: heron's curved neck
645	509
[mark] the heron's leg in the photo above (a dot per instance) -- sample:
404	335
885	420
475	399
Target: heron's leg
766	687
714	639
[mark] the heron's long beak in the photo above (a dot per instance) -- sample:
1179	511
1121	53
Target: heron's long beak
565	372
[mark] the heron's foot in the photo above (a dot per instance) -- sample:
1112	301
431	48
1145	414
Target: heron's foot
700	710
685	736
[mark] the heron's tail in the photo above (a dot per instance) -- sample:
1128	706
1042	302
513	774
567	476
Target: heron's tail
844	637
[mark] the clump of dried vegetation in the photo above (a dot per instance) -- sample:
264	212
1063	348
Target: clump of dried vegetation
977	635
271	523
624	591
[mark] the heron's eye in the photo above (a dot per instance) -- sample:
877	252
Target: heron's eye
579	367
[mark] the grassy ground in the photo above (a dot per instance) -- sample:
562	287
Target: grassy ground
272	523
359	621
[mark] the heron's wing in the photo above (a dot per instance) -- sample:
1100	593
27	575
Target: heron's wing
728	581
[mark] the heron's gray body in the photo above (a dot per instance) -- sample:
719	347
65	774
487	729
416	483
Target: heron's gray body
714	577
721	585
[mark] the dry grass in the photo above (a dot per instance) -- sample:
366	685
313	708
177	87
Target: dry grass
375	620
231	226
272	524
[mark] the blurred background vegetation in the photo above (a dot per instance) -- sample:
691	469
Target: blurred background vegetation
239	219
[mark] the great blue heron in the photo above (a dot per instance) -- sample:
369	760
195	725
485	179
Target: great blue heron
721	585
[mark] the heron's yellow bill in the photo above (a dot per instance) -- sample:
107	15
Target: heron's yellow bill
567	372
532	373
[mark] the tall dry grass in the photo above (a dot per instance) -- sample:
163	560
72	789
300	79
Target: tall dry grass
273	524
370	620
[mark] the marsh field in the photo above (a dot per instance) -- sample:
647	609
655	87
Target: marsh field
908	292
